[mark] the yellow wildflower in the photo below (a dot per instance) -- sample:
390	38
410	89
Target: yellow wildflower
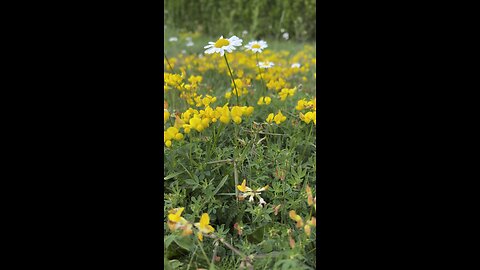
279	118
204	226
270	118
175	214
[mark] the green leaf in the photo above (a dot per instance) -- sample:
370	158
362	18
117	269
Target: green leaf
220	185
168	240
176	264
172	175
191	182
184	242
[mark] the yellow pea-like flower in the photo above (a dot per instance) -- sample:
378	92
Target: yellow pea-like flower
175	214
270	118
178	136
260	101
243	186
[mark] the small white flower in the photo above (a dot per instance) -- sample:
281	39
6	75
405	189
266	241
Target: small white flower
184	52
285	35
265	64
244	33
251	198
173	39
222	45
256	46
262	202
296	65
190	43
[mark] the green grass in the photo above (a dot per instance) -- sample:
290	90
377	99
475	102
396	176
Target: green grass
262	18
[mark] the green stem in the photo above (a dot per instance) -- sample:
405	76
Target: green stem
193	255
233	80
168	62
204	254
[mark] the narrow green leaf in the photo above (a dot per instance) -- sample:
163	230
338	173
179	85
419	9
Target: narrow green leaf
172	175
220	185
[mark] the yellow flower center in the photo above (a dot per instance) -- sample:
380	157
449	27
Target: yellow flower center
256	46
222	42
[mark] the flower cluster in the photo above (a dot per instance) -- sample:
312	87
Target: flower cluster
310	116
204	101
177	222
172	133
278	118
300	224
264	101
277	84
199	120
303	104
241	86
286	93
172	81
248	192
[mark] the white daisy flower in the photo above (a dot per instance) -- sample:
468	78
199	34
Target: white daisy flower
296	65
285	35
190	43
222	45
256	46
173	39
265	64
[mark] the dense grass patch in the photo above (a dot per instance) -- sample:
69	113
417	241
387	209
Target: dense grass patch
264	18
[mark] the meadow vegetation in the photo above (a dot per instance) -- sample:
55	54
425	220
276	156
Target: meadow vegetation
268	18
239	155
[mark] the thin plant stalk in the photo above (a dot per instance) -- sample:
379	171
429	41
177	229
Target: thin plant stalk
168	62
231	75
203	251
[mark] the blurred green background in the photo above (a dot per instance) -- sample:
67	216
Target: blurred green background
260	18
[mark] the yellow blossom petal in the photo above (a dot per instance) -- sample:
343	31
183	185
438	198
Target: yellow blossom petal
243	186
